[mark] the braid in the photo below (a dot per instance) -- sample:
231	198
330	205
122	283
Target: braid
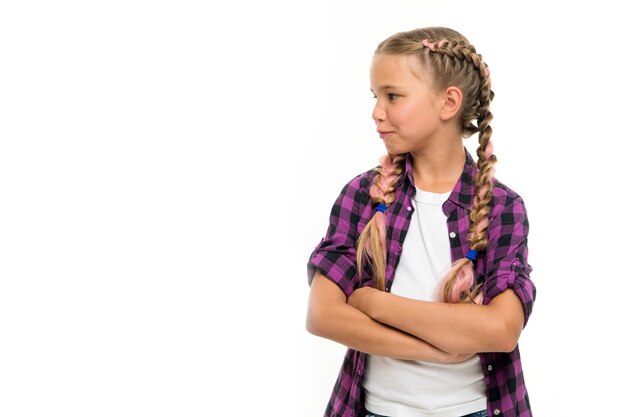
372	243
459	285
453	53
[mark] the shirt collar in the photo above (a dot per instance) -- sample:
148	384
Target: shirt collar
463	191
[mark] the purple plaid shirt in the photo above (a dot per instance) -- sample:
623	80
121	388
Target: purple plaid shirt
502	265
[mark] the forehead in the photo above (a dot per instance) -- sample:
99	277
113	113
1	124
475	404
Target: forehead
395	70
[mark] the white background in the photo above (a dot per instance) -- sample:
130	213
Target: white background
166	168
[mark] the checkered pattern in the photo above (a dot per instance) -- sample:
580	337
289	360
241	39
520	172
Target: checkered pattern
502	265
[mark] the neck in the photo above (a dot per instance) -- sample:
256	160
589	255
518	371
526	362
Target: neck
438	169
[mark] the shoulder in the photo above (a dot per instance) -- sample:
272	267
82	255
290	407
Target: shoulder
506	200
359	186
352	205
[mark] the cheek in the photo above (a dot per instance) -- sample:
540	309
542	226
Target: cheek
404	115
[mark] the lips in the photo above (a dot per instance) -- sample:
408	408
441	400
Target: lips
384	134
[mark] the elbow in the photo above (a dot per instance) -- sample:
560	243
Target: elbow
311	325
315	323
508	345
507	337
322	322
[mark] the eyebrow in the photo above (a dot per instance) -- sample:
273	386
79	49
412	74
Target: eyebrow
386	87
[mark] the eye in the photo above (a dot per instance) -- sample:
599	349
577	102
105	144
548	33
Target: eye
390	96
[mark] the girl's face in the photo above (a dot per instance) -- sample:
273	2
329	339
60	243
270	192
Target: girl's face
407	110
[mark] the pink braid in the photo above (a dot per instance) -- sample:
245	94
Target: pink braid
464	280
372	244
378	192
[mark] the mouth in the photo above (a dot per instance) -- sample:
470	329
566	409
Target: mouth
384	134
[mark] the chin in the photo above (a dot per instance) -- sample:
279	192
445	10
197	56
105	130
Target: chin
395	150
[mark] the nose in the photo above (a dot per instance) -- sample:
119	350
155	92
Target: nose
378	113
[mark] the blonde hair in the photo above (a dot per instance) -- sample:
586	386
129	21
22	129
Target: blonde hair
451	60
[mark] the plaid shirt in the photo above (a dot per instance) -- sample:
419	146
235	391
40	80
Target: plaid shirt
503	264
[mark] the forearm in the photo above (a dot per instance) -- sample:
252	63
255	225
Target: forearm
455	328
346	325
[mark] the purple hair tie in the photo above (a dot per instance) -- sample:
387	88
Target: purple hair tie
472	255
381	207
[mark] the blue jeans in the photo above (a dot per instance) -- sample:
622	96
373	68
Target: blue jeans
476	414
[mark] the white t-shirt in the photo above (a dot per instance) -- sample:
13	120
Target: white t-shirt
403	388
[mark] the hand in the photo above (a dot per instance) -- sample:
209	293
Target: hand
362	299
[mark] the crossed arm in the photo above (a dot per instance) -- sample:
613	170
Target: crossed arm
458	328
385	324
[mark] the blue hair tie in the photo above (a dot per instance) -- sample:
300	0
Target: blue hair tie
472	255
381	207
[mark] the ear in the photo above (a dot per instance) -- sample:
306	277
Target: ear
451	100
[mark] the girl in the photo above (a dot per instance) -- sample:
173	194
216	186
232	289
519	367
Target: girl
423	272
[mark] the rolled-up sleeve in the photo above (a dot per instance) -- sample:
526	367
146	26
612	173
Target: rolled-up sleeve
335	255
507	255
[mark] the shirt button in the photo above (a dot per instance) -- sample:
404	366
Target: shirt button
409	208
360	371
452	235
489	368
496	412
516	262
